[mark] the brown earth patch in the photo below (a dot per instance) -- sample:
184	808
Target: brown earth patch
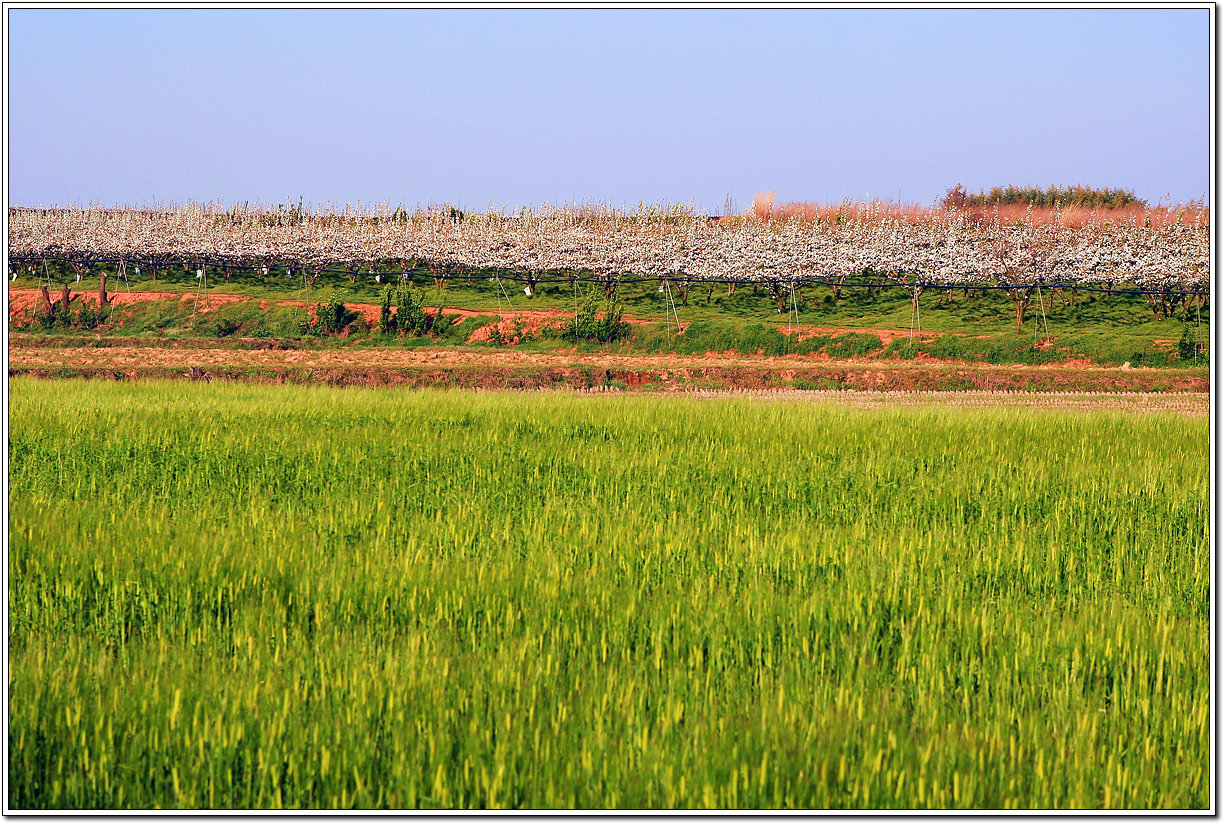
24	302
511	368
513	329
886	336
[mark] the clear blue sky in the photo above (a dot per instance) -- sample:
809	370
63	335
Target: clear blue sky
519	107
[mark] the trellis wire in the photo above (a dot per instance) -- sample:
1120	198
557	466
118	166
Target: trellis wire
666	317
123	271
656	278
913	309
306	286
794	306
1041	305
675	310
202	277
1198	335
500	319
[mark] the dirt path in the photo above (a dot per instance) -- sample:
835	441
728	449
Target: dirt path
514	369
504	358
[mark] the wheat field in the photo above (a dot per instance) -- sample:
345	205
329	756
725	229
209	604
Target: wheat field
263	597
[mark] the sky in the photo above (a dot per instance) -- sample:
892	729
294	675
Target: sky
509	108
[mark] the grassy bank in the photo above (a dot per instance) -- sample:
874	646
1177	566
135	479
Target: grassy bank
968	325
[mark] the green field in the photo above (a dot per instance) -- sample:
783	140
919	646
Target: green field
231	596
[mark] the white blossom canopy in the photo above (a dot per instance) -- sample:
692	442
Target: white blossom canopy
938	248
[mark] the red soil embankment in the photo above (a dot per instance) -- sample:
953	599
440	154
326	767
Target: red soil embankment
25	302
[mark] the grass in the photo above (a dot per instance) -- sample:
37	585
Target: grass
980	327
1116	316
230	596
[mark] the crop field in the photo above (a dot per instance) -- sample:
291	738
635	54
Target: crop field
233	596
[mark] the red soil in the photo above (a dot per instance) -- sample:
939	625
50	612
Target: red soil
25	302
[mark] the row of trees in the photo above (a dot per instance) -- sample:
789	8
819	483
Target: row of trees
1168	257
958	197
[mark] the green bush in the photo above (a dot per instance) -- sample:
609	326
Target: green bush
87	317
410	314
1077	195
386	320
333	316
586	324
1188	343
223	327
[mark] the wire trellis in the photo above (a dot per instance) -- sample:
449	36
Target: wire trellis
578	277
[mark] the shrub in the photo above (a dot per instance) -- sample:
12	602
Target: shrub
334	316
410	314
223	327
1187	345
386	320
586	324
87	317
1083	196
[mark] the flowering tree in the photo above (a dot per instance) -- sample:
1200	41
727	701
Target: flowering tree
1163	252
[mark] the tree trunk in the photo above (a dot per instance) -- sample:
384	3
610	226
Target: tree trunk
684	292
775	292
1155	303
730	288
914	294
1020	300
46	298
710	293
102	299
65	296
1067	296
